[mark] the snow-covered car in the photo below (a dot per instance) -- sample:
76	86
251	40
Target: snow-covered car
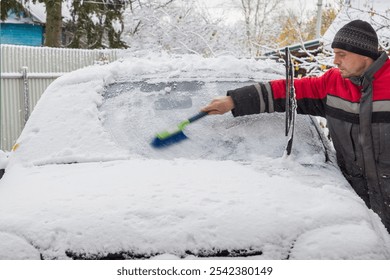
83	181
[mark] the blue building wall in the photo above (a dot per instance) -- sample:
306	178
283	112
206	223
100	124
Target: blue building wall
21	34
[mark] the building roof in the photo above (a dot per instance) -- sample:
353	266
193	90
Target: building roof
309	45
37	12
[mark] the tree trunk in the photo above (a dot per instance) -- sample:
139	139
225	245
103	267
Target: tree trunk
53	23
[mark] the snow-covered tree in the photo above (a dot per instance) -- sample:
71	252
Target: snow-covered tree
180	27
96	24
260	25
10	6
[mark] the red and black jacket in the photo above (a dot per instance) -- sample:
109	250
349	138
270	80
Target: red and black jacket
358	115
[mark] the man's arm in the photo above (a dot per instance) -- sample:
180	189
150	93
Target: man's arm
270	97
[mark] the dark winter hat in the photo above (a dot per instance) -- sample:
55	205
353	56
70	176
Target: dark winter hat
359	37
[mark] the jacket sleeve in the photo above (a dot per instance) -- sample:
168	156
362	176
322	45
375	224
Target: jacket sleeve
270	96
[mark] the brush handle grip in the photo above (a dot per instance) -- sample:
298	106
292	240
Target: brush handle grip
197	116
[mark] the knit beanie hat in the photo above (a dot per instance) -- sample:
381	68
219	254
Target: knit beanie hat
359	37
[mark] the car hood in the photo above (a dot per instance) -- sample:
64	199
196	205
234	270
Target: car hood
269	209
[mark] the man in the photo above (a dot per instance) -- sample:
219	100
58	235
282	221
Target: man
355	100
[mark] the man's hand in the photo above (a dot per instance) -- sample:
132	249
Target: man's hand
219	105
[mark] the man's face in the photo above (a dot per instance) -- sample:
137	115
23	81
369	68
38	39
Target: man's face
351	64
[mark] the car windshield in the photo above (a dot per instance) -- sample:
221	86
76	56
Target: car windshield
135	111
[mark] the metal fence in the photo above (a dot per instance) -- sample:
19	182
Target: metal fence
25	74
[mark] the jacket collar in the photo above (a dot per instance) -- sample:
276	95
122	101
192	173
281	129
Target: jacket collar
368	75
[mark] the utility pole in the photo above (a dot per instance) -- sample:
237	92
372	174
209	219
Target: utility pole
319	19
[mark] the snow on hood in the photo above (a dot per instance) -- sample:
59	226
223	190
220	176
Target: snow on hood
275	209
13	247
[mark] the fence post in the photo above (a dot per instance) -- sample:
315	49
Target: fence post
26	94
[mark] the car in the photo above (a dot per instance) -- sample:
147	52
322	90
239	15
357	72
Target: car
84	182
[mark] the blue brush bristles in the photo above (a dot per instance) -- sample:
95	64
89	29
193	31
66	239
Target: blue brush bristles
162	143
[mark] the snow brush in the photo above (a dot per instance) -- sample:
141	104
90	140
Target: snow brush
166	138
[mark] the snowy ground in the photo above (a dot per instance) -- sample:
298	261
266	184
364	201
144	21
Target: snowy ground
226	190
